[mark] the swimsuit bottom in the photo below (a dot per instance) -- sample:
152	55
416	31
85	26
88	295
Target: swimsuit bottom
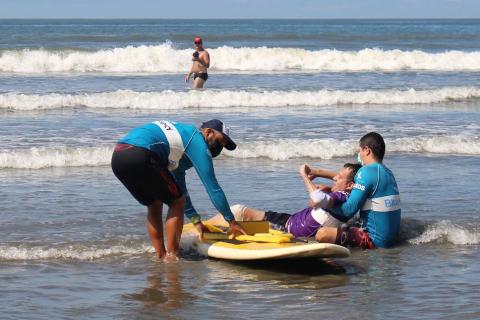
201	75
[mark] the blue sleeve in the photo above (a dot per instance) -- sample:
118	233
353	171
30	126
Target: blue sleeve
199	155
363	186
190	211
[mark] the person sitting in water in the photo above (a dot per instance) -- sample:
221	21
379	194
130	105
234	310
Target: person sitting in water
306	222
376	195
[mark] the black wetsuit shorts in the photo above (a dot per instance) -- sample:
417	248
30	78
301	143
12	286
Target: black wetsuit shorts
144	174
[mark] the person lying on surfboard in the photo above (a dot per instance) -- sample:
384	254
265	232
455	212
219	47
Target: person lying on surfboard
306	222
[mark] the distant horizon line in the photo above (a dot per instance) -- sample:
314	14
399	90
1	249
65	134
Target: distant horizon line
203	19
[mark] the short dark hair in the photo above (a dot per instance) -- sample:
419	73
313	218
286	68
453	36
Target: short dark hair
375	142
354	167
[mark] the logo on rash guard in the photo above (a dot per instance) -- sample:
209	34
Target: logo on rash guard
392	203
165	125
359	186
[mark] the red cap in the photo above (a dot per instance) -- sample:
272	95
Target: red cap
197	40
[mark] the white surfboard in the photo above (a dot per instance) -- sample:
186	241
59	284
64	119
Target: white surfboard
221	247
237	250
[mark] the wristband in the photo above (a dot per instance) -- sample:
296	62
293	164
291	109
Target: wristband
195	219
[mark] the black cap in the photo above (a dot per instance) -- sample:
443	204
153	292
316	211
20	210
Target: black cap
220	127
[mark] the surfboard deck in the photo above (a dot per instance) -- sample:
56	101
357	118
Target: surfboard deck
236	250
241	250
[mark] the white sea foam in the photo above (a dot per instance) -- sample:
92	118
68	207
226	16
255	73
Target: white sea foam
282	149
446	231
164	58
278	149
43	157
83	251
172	100
69	252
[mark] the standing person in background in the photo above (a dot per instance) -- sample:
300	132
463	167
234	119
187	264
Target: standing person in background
201	62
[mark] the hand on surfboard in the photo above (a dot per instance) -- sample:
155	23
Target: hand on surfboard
236	229
201	229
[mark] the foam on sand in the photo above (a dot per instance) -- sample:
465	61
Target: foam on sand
78	252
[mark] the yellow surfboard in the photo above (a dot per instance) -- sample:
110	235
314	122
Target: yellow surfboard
262	245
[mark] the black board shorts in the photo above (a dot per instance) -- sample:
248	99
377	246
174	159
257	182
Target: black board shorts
141	172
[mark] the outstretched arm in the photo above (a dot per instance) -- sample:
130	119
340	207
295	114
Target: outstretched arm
201	159
204	167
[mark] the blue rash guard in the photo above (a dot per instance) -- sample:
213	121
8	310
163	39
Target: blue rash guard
180	147
376	195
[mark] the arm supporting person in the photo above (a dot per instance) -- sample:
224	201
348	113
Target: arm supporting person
364	185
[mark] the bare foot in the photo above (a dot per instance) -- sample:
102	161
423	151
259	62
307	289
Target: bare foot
170	257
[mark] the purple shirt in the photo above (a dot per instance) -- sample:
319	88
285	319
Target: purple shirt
302	223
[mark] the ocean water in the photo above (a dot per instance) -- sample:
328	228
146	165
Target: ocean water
73	242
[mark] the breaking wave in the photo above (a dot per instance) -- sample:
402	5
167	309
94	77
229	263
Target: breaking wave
172	100
283	149
44	157
278	149
165	58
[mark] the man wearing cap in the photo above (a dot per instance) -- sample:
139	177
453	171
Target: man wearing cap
201	62
151	161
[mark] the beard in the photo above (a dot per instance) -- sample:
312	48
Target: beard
215	148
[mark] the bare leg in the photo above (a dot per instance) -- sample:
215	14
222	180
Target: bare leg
198	83
241	213
155	227
217	220
251	214
326	235
174	225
